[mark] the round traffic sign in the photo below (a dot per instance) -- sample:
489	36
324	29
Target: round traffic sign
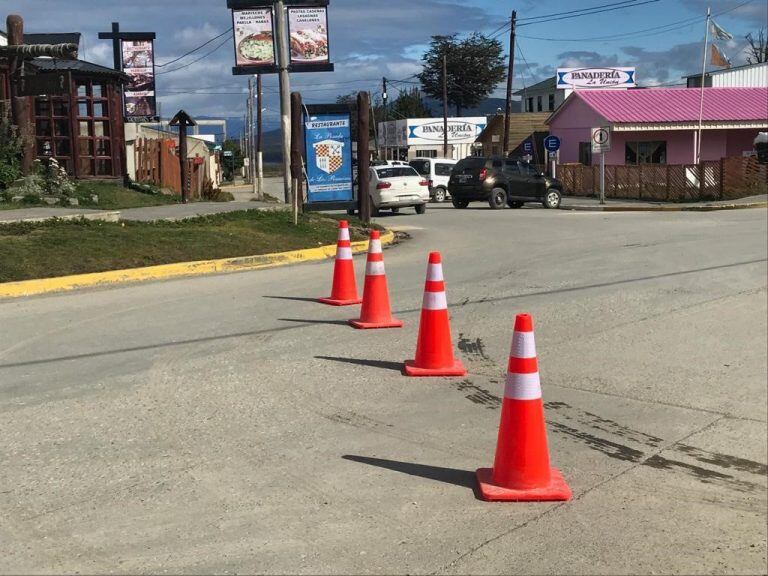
552	143
601	136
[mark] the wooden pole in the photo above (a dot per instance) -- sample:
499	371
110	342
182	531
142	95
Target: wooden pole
183	162
20	104
285	91
363	156
297	162
510	79
259	137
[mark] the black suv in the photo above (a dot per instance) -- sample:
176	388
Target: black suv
501	181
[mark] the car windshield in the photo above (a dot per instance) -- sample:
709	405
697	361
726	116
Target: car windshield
472	163
395	172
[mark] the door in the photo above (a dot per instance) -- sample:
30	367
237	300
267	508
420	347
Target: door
517	181
535	185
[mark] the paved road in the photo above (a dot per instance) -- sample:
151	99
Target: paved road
228	424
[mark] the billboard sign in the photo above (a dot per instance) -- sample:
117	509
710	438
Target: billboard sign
430	130
575	78
140	100
328	150
308	37
254	40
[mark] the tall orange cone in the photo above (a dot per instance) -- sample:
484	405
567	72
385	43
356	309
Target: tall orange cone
521	468
344	291
375	311
434	351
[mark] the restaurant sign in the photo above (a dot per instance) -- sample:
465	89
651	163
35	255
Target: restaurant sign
139	65
575	78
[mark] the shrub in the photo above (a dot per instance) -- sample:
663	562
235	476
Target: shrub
10	149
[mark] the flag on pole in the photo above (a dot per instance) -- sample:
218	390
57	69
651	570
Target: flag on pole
718	58
718	33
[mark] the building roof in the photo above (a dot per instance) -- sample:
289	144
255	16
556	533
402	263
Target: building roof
726	70
673	105
55	38
81	66
544	85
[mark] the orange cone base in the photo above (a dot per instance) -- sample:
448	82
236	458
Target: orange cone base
556	490
333	302
360	325
456	370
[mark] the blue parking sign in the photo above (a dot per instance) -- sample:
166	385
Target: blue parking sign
528	146
552	143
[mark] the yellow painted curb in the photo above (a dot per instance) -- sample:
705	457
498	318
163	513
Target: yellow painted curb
166	271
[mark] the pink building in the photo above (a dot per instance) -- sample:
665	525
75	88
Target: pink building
660	125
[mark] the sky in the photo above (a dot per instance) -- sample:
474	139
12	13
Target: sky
663	39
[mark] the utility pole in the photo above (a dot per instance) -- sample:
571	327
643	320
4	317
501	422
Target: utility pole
259	137
285	95
445	106
249	130
510	78
363	157
297	161
384	97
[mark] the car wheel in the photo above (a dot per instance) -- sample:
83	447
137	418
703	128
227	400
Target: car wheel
420	208
395	210
439	195
553	199
459	203
498	198
515	204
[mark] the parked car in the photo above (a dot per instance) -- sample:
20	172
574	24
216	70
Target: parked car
437	172
395	187
502	181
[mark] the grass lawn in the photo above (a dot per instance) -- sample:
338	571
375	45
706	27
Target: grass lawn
61	248
111	197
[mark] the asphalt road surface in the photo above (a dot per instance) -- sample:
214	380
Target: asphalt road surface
230	424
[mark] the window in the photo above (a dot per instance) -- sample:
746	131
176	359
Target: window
395	172
426	153
585	153
654	152
551	102
421	166
94	145
443	169
53	129
530	104
538	104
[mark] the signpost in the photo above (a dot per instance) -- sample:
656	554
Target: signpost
601	143
552	145
183	120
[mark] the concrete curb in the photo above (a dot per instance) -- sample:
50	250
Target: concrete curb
106	216
667	208
177	270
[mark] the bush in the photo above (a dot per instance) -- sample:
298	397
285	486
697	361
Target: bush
10	150
213	194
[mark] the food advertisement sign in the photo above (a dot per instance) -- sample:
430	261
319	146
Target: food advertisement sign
328	149
254	38
139	66
308	29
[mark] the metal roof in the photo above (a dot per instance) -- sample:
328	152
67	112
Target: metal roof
77	66
54	38
674	105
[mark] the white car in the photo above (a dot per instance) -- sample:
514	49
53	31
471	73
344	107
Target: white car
437	171
395	187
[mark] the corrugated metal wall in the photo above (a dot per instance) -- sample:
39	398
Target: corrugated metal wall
747	77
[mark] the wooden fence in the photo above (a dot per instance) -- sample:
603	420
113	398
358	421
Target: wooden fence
726	179
158	164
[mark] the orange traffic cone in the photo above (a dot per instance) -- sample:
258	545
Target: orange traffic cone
434	351
375	312
521	468
344	291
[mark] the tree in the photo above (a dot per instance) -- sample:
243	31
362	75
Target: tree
757	51
231	164
475	68
409	104
351	101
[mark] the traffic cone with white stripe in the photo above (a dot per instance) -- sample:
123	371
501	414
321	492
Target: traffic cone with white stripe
521	470
434	350
344	291
375	311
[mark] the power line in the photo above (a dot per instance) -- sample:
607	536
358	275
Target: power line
194	49
226	40
590	13
575	11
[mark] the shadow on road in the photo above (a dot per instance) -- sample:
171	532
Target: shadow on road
383	364
295	298
463	478
304	321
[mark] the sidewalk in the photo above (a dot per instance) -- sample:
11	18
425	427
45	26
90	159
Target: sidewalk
147	214
593	205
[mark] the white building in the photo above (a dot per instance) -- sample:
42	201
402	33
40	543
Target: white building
423	137
748	76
